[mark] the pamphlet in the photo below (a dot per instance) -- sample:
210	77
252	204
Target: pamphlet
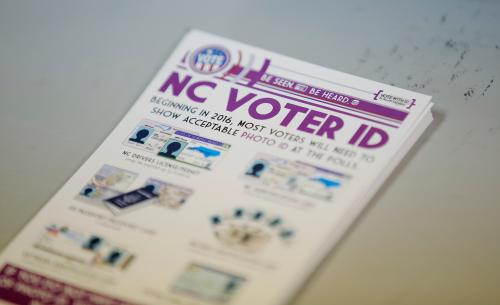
228	181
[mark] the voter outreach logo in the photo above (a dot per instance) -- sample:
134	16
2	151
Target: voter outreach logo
396	100
209	59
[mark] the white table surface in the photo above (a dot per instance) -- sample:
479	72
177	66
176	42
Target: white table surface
70	70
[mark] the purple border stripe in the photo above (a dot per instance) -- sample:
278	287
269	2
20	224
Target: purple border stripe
23	287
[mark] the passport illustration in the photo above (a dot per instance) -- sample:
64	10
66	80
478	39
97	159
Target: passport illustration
131	200
110	188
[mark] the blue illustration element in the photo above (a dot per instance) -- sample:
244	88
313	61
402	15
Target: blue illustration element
172	148
238	213
207	152
258	215
88	191
216	220
327	182
275	222
286	234
142	134
209	59
257	168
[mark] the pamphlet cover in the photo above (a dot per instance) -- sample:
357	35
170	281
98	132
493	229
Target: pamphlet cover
231	177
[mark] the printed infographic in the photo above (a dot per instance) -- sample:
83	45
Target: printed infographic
228	181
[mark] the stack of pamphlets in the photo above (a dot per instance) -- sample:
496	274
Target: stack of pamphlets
228	181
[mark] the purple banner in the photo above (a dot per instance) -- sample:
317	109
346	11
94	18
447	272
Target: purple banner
320	94
23	287
332	97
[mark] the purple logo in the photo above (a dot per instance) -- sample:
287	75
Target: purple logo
209	59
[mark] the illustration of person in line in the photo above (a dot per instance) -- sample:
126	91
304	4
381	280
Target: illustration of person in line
113	257
140	136
231	286
93	243
170	150
256	170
